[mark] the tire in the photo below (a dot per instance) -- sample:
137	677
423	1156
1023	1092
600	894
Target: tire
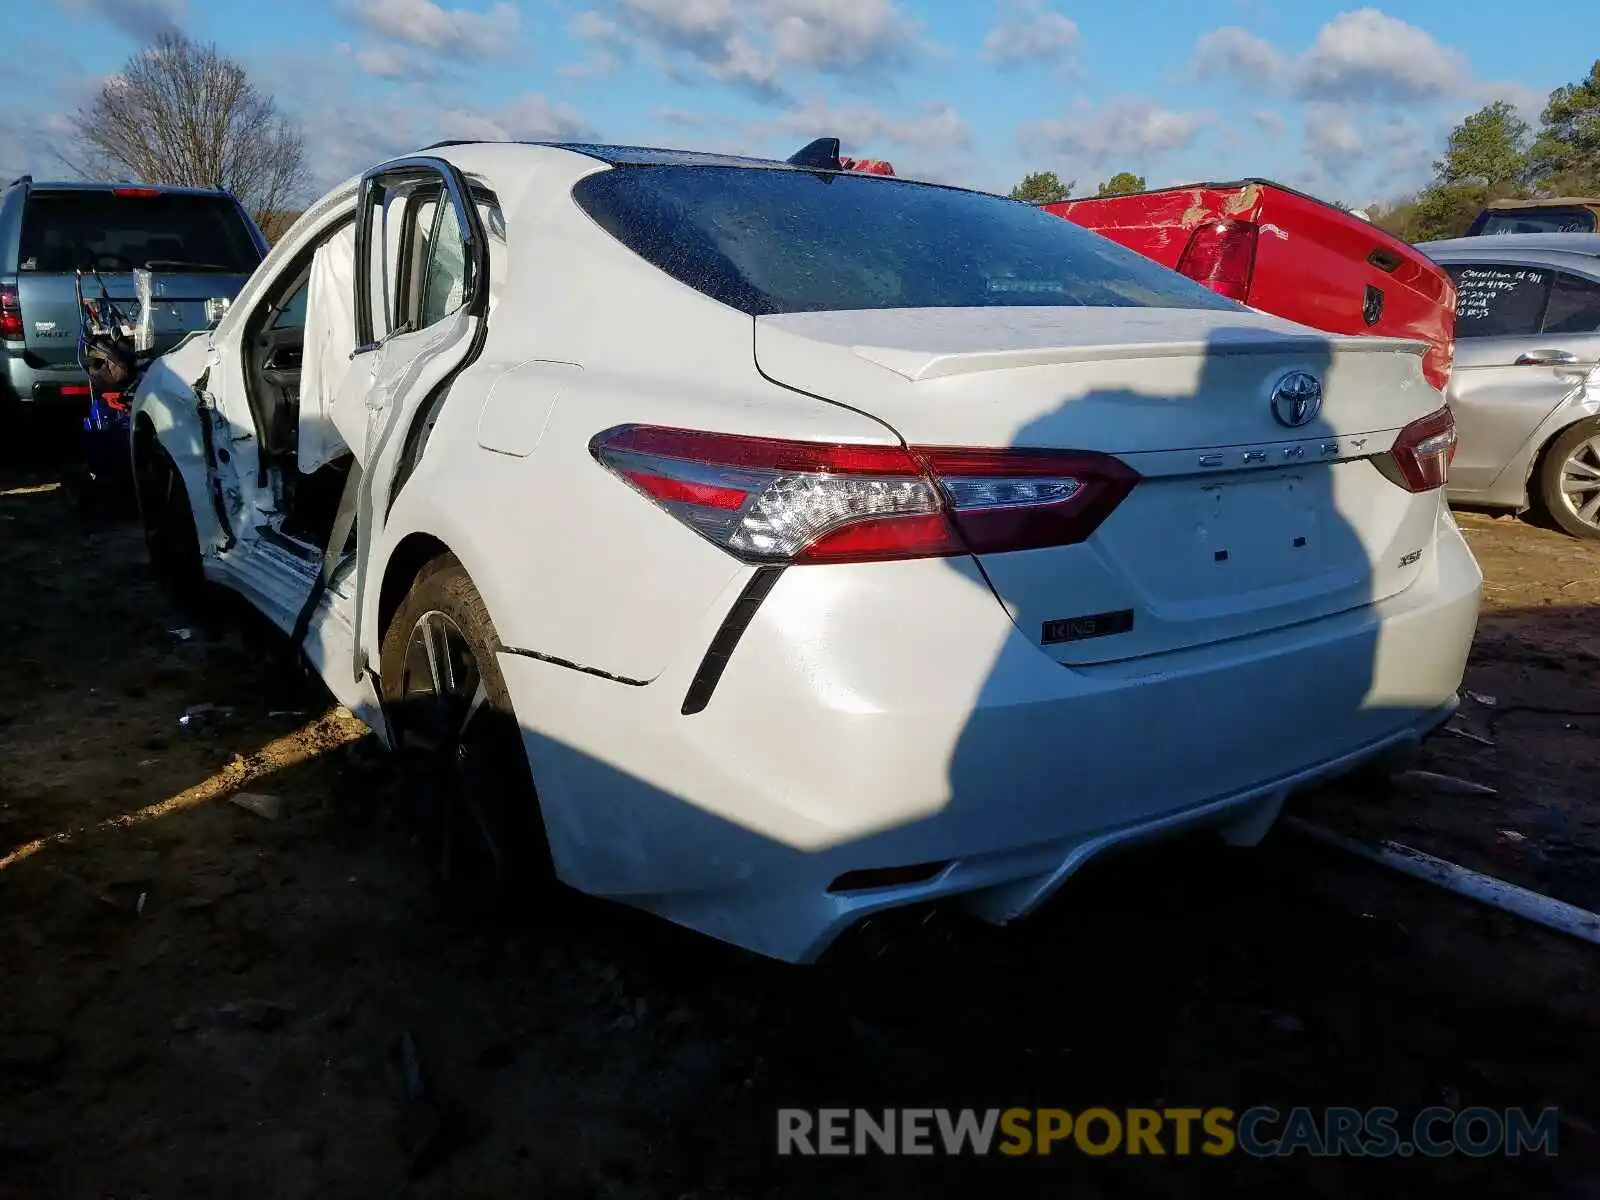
170	537
1568	482
463	765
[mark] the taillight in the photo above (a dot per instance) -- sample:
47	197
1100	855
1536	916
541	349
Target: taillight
140	192
1419	461
10	315
1221	255
774	500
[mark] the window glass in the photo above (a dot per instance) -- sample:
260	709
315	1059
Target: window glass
1540	220
776	241
378	274
422	216
447	270
293	314
402	212
1499	301
170	232
1574	306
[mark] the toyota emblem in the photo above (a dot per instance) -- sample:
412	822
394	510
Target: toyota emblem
1297	399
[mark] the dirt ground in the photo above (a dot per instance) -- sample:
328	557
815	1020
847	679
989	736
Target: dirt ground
200	1001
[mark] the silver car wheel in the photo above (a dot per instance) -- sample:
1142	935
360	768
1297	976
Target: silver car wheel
1580	481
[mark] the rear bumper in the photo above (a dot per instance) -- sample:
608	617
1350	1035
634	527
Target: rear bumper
44	385
887	715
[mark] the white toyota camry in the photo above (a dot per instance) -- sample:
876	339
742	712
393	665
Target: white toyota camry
767	545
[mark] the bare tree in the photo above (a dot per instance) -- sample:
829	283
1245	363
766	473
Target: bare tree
185	114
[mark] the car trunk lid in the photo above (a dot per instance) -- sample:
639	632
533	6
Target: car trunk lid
1240	523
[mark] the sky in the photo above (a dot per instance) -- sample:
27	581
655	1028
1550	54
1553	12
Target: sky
1350	103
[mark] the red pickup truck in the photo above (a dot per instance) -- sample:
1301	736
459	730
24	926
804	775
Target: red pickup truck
1288	254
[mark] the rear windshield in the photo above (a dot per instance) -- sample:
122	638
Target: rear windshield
780	241
62	231
1539	220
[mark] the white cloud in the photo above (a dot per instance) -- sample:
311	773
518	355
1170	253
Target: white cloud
756	45
1238	54
1027	31
450	32
529	117
1528	101
1332	139
839	35
1367	55
381	61
1126	133
42	86
607	44
32	146
1270	122
934	142
378	122
1363	56
935	126
142	20
681	118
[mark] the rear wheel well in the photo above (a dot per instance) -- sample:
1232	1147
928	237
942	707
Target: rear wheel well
1536	468
144	433
413	553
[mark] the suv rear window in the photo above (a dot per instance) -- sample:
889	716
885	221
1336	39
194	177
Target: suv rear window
765	240
1539	220
65	230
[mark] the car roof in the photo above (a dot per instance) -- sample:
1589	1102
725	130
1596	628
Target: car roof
80	185
630	156
1514	244
1493	248
1549	202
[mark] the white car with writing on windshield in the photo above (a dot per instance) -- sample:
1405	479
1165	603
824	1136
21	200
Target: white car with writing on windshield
1525	387
767	545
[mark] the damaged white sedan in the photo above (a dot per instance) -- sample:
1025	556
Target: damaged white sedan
767	545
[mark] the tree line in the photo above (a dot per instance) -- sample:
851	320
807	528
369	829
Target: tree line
1045	187
1495	155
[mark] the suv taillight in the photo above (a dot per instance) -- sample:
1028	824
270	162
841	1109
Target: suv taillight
10	315
1419	461
1221	255
777	501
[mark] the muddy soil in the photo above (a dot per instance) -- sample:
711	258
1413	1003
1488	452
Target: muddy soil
201	1001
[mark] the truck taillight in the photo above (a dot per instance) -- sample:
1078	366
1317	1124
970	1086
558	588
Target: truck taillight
10	315
1436	365
1221	255
777	501
1419	460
